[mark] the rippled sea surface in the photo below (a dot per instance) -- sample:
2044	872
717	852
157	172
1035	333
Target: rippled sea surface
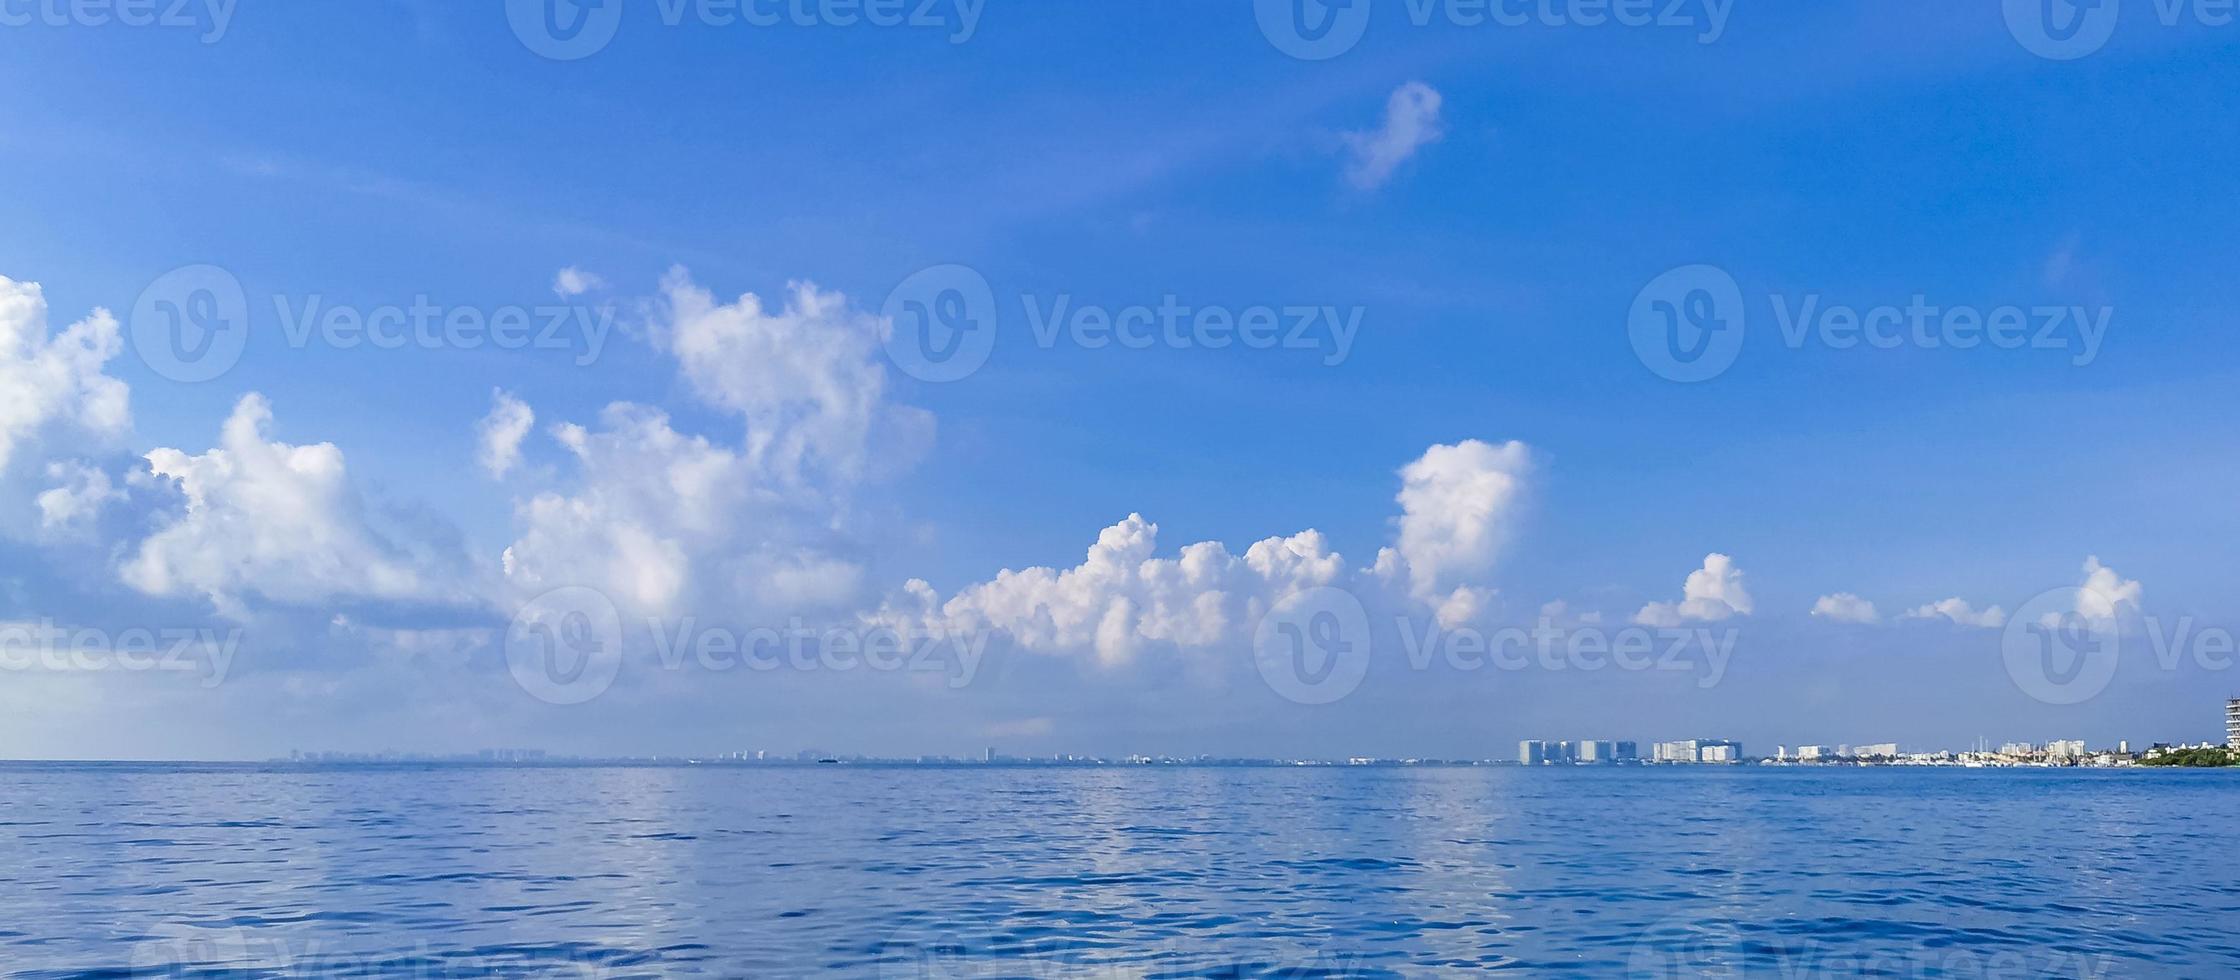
1122	872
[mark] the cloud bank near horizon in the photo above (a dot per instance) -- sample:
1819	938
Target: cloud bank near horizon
749	526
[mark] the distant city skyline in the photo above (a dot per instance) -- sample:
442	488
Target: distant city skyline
1552	751
1529	752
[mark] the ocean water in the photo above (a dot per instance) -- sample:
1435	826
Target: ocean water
110	871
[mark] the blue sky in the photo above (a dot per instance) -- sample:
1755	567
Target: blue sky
368	155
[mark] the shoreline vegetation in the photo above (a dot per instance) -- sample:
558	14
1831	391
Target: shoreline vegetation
2203	758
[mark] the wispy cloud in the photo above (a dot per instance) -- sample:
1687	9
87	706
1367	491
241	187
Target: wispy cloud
1843	607
1411	122
1961	612
572	282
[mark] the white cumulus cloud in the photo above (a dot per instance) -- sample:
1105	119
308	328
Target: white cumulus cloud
1457	506
271	520
663	520
1712	593
1123	596
2103	594
809	378
53	386
650	500
78	496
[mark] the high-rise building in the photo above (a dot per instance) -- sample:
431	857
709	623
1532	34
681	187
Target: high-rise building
1882	750
1625	752
1593	750
1532	752
2065	749
2232	723
1697	750
1718	751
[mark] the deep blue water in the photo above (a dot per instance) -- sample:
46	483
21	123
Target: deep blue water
1126	872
